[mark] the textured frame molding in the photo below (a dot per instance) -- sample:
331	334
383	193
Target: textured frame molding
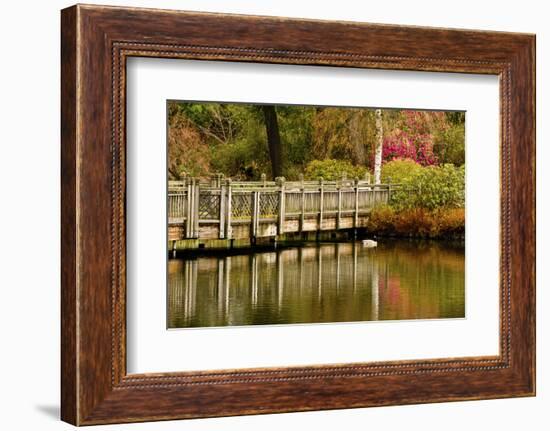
96	41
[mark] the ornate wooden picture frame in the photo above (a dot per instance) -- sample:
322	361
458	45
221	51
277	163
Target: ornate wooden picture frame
96	41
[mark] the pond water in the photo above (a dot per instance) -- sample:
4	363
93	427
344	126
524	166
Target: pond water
319	282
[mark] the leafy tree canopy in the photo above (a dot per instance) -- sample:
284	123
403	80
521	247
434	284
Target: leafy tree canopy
206	138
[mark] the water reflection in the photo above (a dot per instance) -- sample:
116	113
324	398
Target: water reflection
339	282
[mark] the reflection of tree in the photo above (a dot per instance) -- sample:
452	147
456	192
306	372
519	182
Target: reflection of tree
375	283
431	287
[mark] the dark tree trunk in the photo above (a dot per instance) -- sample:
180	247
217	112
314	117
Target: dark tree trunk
273	139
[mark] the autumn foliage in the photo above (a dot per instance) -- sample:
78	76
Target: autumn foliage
206	138
422	155
418	222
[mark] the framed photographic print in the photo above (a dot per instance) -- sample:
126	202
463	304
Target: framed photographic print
263	215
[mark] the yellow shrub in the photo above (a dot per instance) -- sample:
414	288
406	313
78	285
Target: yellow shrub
417	222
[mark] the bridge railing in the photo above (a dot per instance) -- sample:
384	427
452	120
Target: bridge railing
225	203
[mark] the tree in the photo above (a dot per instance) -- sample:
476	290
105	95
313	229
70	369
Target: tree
449	142
344	134
220	123
273	139
379	146
188	153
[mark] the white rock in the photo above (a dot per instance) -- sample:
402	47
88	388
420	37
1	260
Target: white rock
369	243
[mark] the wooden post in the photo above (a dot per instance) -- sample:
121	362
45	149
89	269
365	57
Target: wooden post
321	204
339	214
264	181
189	218
389	190
281	221
258	215
356	215
228	230
196	215
303	204
354	267
254	220
222	212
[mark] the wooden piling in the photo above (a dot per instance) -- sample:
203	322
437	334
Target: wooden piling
281	218
356	212
255	214
321	204
339	214
196	215
222	201
228	231
188	218
303	204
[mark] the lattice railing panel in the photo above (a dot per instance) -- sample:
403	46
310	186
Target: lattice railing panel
269	204
241	205
209	205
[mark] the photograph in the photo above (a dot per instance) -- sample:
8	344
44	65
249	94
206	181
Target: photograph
295	214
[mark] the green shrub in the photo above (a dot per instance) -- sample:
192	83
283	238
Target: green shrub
400	170
330	170
430	188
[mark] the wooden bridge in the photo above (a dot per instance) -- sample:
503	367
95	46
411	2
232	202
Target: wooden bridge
221	213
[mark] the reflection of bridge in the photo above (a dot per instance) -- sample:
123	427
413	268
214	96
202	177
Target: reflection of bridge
332	282
225	214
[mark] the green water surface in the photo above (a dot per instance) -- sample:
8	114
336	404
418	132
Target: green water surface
314	283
